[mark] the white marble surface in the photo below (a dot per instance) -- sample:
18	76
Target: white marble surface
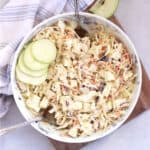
134	17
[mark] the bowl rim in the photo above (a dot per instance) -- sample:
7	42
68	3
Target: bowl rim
90	138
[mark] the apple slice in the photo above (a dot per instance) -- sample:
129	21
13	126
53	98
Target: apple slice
29	79
104	8
44	51
28	71
30	62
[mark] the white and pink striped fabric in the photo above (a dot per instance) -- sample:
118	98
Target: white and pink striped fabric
17	17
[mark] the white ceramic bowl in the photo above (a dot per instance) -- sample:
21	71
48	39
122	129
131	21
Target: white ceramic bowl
90	18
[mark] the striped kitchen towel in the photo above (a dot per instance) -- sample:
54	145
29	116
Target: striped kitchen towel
17	17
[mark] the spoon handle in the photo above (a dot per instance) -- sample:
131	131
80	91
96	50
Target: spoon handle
76	5
23	124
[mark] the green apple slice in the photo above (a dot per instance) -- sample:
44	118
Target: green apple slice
28	71
105	8
44	51
30	62
28	79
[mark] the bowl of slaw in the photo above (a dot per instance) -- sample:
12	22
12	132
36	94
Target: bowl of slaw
93	20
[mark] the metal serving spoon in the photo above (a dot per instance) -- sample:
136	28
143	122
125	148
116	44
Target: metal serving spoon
81	28
84	27
23	124
44	115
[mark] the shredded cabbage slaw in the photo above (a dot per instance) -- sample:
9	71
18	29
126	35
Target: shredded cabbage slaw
89	86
